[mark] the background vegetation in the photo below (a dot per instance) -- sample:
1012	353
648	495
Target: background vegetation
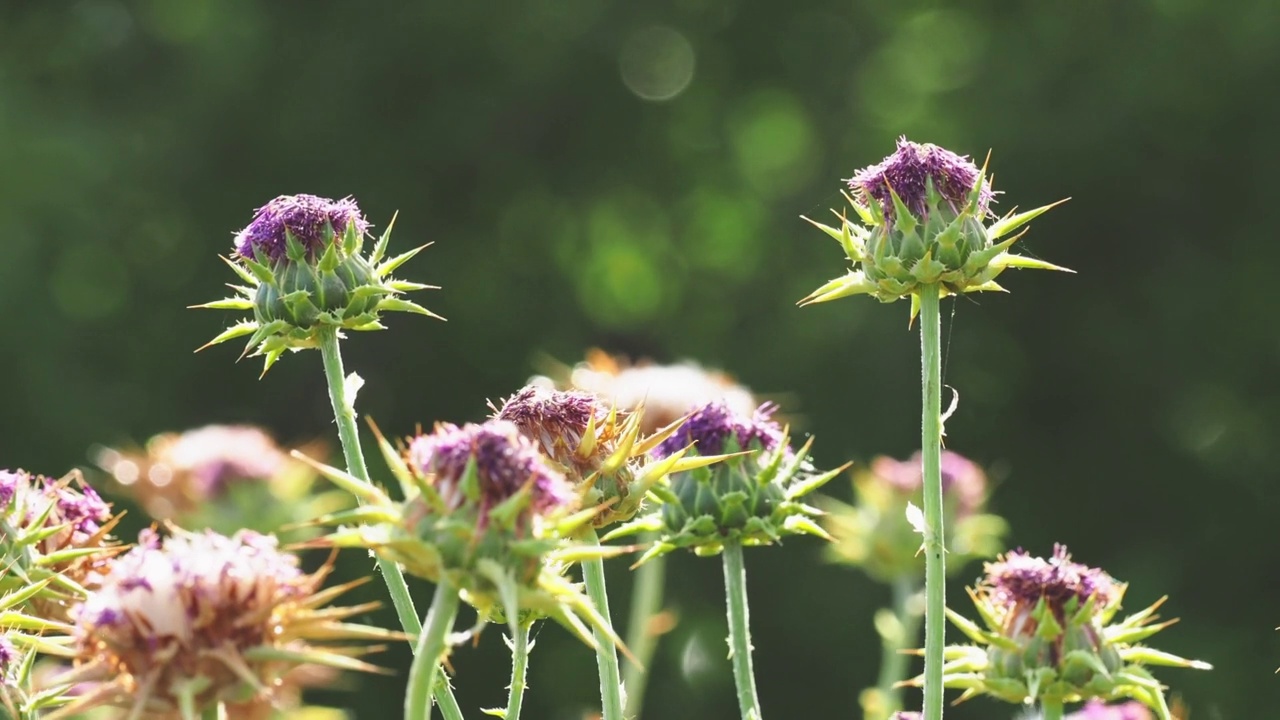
629	175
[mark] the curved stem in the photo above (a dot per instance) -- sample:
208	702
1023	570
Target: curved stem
344	414
431	649
646	602
931	449
606	653
735	588
519	664
893	663
1050	709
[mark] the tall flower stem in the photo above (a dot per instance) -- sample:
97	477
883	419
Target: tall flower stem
931	449
344	414
646	602
735	589
893	663
519	664
1051	709
430	651
606	653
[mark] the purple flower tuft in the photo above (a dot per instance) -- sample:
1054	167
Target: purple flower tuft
1020	580
712	425
1098	710
8	486
961	478
8	653
551	411
908	171
907	716
505	462
306	217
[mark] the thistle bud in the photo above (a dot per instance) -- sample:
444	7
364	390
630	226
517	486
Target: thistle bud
752	496
875	535
195	620
923	216
301	259
1049	635
54	534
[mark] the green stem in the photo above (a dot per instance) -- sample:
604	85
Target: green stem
519	664
893	663
646	602
735	588
1050	709
217	711
430	652
606	653
344	415
931	449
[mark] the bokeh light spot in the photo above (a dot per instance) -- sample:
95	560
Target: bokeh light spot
773	140
657	63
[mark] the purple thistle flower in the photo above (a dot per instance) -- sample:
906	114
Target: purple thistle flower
8	654
714	424
1020	580
306	217
551	413
908	171
8	486
962	478
505	460
1098	710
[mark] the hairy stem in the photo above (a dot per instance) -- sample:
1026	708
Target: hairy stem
344	414
606	653
646	603
519	664
431	648
931	449
735	589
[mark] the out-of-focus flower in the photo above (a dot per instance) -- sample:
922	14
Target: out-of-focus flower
304	272
875	535
1049	634
907	716
195	619
753	497
55	535
667	392
224	477
599	452
486	511
923	212
1098	710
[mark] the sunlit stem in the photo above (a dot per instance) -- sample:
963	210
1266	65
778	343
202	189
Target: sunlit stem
432	643
646	603
606	653
931	449
519	666
735	587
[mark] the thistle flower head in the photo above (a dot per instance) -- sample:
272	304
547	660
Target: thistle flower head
1098	710
313	221
196	619
305	275
922	216
875	535
8	655
907	716
752	496
55	531
1050	634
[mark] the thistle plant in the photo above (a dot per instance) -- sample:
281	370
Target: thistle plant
1048	635
488	521
306	280
876	536
1098	710
223	477
922	232
602	457
194	622
667	393
751	498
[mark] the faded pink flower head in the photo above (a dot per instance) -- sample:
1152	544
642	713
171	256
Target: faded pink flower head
962	479
1020	580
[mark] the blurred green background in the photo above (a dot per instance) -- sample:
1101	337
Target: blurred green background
630	175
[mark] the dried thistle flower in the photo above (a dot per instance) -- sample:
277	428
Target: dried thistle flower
753	497
875	535
599	451
304	272
923	213
485	511
1049	635
196	619
54	534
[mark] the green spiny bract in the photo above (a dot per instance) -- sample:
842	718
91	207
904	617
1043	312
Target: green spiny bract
302	276
923	214
752	496
1049	634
